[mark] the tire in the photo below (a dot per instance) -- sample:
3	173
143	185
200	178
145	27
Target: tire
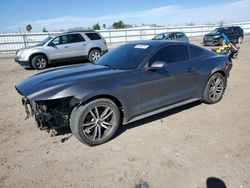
222	42
95	122
214	89
39	62
240	40
94	55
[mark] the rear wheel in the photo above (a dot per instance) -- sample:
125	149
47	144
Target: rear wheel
96	122
240	39
215	88
94	55
39	62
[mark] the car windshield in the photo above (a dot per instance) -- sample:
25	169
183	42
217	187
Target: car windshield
44	41
126	57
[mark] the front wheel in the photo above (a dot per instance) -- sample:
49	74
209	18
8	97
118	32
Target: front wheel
223	42
215	88
95	122
39	62
94	55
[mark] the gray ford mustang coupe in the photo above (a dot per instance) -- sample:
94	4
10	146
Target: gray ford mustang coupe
129	83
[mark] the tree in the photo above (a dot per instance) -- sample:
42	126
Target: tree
118	25
104	26
96	26
221	23
45	30
190	24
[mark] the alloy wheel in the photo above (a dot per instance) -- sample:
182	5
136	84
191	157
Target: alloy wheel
216	89
95	55
41	63
98	122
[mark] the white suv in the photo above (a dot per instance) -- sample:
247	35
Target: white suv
64	47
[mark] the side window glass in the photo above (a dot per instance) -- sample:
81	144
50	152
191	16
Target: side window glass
171	54
195	52
56	41
75	38
179	35
159	37
60	40
93	36
63	39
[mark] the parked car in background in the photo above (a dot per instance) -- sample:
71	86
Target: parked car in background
67	46
234	33
131	82
177	36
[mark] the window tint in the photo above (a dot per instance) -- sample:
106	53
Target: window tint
159	37
93	36
179	35
128	56
172	36
195	52
60	40
171	54
236	29
228	30
72	38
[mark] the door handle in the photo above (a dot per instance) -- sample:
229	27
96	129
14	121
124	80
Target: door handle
65	46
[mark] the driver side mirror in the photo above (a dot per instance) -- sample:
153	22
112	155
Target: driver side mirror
157	65
51	44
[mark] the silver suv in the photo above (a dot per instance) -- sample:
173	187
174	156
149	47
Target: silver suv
67	46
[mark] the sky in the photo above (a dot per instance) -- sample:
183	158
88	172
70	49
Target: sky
65	14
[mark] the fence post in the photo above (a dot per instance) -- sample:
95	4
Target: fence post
24	40
109	37
126	36
140	34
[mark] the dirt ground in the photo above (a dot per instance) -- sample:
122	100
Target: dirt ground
182	148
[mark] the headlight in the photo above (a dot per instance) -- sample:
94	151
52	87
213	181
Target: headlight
216	36
20	52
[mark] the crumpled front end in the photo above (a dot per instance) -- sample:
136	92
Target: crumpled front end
50	114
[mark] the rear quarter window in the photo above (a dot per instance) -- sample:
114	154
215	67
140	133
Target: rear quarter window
93	36
195	52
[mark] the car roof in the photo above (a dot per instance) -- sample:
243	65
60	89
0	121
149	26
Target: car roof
82	31
169	32
74	32
156	43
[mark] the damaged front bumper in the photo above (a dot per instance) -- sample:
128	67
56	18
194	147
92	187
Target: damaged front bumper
50	114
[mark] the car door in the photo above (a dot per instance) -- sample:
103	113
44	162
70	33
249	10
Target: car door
235	33
76	45
169	85
58	48
229	33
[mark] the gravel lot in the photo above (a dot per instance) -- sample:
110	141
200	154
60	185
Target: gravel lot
181	148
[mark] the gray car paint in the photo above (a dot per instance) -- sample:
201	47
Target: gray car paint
139	91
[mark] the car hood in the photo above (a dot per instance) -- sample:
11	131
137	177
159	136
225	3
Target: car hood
55	83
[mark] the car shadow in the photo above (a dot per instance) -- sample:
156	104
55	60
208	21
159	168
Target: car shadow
66	130
67	63
213	182
162	115
61	64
